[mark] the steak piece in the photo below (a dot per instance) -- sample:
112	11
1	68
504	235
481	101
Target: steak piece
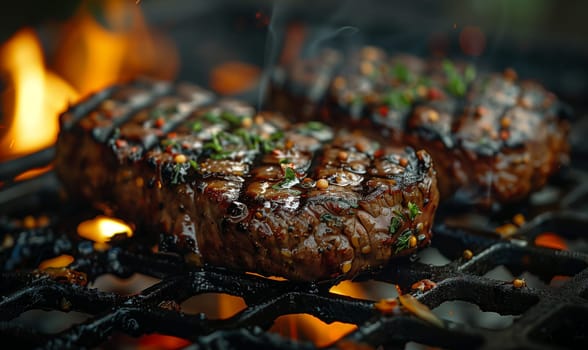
494	139
249	191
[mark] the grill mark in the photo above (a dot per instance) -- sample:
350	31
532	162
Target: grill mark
138	102
76	113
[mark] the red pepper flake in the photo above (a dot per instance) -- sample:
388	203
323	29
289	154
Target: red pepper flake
172	135
159	122
378	153
510	74
120	143
424	285
504	134
403	162
383	110
434	94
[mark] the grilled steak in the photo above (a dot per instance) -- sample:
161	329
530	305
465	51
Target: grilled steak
494	139
245	190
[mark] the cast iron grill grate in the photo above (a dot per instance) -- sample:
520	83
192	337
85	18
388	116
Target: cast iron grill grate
547	315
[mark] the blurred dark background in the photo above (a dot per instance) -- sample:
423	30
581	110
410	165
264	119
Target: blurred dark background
544	39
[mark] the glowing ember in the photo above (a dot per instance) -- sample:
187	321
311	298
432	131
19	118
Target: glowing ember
29	174
234	77
229	305
163	342
307	327
551	240
102	228
33	99
58	261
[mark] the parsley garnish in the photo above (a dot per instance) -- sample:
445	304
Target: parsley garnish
315	126
403	241
456	82
397	99
395	224
413	210
402	73
197	126
212	117
231	118
290	180
179	173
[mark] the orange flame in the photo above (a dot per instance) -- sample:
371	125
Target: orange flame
551	240
112	43
58	261
162	342
102	228
307	327
106	42
34	98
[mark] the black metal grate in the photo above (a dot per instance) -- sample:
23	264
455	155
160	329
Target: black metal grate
547	316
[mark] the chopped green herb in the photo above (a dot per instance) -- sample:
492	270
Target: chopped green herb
469	73
284	161
413	210
456	86
221	155
395	224
196	126
231	118
402	73
214	144
290	180
397	99
277	136
403	241
193	164
457	82
315	126
214	118
179	173
399	214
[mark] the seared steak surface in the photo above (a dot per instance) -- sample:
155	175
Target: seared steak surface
494	139
251	191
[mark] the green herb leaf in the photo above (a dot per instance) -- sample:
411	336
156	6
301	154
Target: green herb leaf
395	224
214	118
457	82
413	210
196	126
403	241
397	99
193	164
290	180
214	144
231	118
469	73
402	73
315	126
179	173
